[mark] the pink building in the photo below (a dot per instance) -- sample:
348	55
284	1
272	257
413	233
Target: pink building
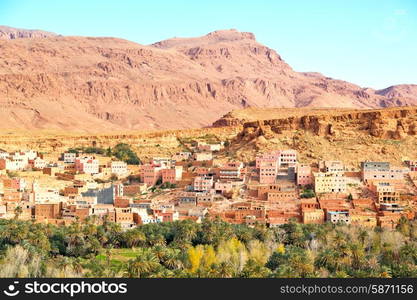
16	184
168	175
412	165
374	171
269	163
287	158
172	175
201	171
268	171
150	174
203	183
284	158
87	164
304	175
223	187
231	171
269	157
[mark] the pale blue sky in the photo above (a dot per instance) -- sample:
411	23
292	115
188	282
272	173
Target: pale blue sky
369	42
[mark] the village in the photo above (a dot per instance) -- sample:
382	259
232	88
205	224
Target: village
275	189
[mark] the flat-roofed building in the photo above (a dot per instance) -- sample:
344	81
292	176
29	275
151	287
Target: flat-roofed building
119	168
304	175
203	183
376	171
203	156
385	192
331	166
338	217
48	211
329	182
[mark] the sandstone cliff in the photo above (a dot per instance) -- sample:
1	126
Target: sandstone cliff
394	123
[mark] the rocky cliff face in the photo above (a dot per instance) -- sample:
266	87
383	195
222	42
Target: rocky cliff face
107	84
395	124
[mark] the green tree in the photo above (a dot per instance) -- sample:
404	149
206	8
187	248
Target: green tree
143	265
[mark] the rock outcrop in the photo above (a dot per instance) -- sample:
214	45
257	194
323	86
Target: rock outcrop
393	123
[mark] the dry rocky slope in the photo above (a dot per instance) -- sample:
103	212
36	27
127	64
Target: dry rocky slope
392	124
351	135
86	84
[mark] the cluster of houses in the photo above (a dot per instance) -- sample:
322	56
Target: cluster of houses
273	190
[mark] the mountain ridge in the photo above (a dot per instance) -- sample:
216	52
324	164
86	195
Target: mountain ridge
107	84
11	33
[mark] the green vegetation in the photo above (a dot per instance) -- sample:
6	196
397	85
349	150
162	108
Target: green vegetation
308	193
121	151
210	249
88	150
12	174
209	138
124	153
168	185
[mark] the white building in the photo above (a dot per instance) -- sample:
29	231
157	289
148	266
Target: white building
47	196
119	168
39	163
69	157
87	164
203	156
209	147
16	164
4	154
287	158
164	162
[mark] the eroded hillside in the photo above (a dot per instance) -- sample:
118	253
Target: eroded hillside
350	135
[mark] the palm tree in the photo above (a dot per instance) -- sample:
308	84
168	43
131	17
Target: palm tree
408	253
172	262
77	265
254	269
17	212
160	252
328	259
142	265
357	253
134	237
63	263
185	232
223	270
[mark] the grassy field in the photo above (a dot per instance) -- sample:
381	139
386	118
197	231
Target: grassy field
120	255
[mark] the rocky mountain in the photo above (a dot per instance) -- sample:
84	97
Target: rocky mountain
108	84
10	33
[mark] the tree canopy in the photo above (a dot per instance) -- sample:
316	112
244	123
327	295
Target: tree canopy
212	248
